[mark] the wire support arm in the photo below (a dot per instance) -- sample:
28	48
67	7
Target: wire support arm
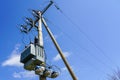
46	8
59	50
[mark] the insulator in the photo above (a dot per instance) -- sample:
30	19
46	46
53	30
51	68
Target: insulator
24	27
47	72
35	13
54	74
39	69
29	20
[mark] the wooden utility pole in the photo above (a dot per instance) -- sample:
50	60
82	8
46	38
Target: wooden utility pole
59	50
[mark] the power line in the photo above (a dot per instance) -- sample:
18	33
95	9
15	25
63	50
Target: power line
77	44
80	30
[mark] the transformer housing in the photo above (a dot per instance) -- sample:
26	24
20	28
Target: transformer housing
31	56
27	53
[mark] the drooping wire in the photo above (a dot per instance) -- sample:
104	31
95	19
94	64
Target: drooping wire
23	40
77	44
56	68
33	33
50	66
80	30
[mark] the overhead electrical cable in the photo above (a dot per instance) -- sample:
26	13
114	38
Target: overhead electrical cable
81	31
78	45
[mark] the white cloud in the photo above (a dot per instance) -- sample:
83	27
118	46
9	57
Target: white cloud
63	69
14	58
16	75
57	57
24	74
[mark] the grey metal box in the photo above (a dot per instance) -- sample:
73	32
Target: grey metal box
31	64
28	53
32	55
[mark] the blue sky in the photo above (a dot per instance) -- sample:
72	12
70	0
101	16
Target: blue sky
90	42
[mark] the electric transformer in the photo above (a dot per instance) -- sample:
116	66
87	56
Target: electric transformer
31	56
28	53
